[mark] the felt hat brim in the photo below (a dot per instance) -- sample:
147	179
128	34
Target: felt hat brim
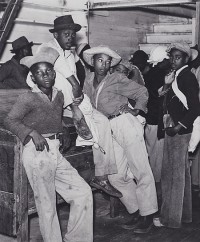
75	27
88	54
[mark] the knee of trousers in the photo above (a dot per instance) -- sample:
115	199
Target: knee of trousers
145	177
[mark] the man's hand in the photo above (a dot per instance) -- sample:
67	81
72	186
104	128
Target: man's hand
39	141
78	100
172	131
169	78
126	109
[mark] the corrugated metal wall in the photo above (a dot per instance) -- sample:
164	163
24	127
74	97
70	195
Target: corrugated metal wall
36	18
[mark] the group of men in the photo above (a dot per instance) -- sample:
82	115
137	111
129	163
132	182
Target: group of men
121	162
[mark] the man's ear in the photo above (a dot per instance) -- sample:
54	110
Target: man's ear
92	61
54	73
187	59
55	34
32	78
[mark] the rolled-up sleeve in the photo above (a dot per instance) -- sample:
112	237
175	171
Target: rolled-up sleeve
14	120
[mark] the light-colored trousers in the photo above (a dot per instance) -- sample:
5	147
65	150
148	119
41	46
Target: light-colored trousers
154	150
49	172
131	155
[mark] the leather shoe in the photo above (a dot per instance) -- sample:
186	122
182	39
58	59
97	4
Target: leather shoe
105	186
145	225
135	219
82	129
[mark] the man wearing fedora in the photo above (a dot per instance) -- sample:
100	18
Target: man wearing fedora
64	33
12	73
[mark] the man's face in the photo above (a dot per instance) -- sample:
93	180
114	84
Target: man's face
101	64
65	38
43	75
26	51
121	69
178	59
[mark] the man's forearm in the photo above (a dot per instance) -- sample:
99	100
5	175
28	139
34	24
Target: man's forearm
76	89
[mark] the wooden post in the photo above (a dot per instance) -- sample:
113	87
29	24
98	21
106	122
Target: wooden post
197	25
21	196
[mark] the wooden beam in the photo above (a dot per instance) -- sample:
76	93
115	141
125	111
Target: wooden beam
135	3
197	25
174	10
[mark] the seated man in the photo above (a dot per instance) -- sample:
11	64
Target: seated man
108	92
12	73
36	118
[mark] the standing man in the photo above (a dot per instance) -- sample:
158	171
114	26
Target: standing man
109	93
36	118
12	73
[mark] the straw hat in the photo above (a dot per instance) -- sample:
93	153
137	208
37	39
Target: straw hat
101	49
46	54
20	43
65	22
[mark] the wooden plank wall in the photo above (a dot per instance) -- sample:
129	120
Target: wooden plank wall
122	30
36	17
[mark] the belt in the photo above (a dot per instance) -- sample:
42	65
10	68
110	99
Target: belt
54	136
113	116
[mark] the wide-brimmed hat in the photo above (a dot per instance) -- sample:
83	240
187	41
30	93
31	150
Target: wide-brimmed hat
182	46
20	43
158	54
46	54
65	22
101	49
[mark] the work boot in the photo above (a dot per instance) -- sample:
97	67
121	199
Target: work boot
145	225
105	186
131	224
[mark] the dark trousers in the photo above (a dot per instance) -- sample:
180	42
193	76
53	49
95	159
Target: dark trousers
176	182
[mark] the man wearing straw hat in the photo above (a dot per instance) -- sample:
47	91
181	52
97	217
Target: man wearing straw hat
108	92
36	118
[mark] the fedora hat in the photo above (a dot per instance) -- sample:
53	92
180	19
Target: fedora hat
45	54
20	43
101	49
65	22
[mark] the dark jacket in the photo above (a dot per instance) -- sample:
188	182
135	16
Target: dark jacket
188	85
13	75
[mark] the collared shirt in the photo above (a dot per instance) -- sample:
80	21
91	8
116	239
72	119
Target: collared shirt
113	92
13	75
34	111
179	70
66	62
44	96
